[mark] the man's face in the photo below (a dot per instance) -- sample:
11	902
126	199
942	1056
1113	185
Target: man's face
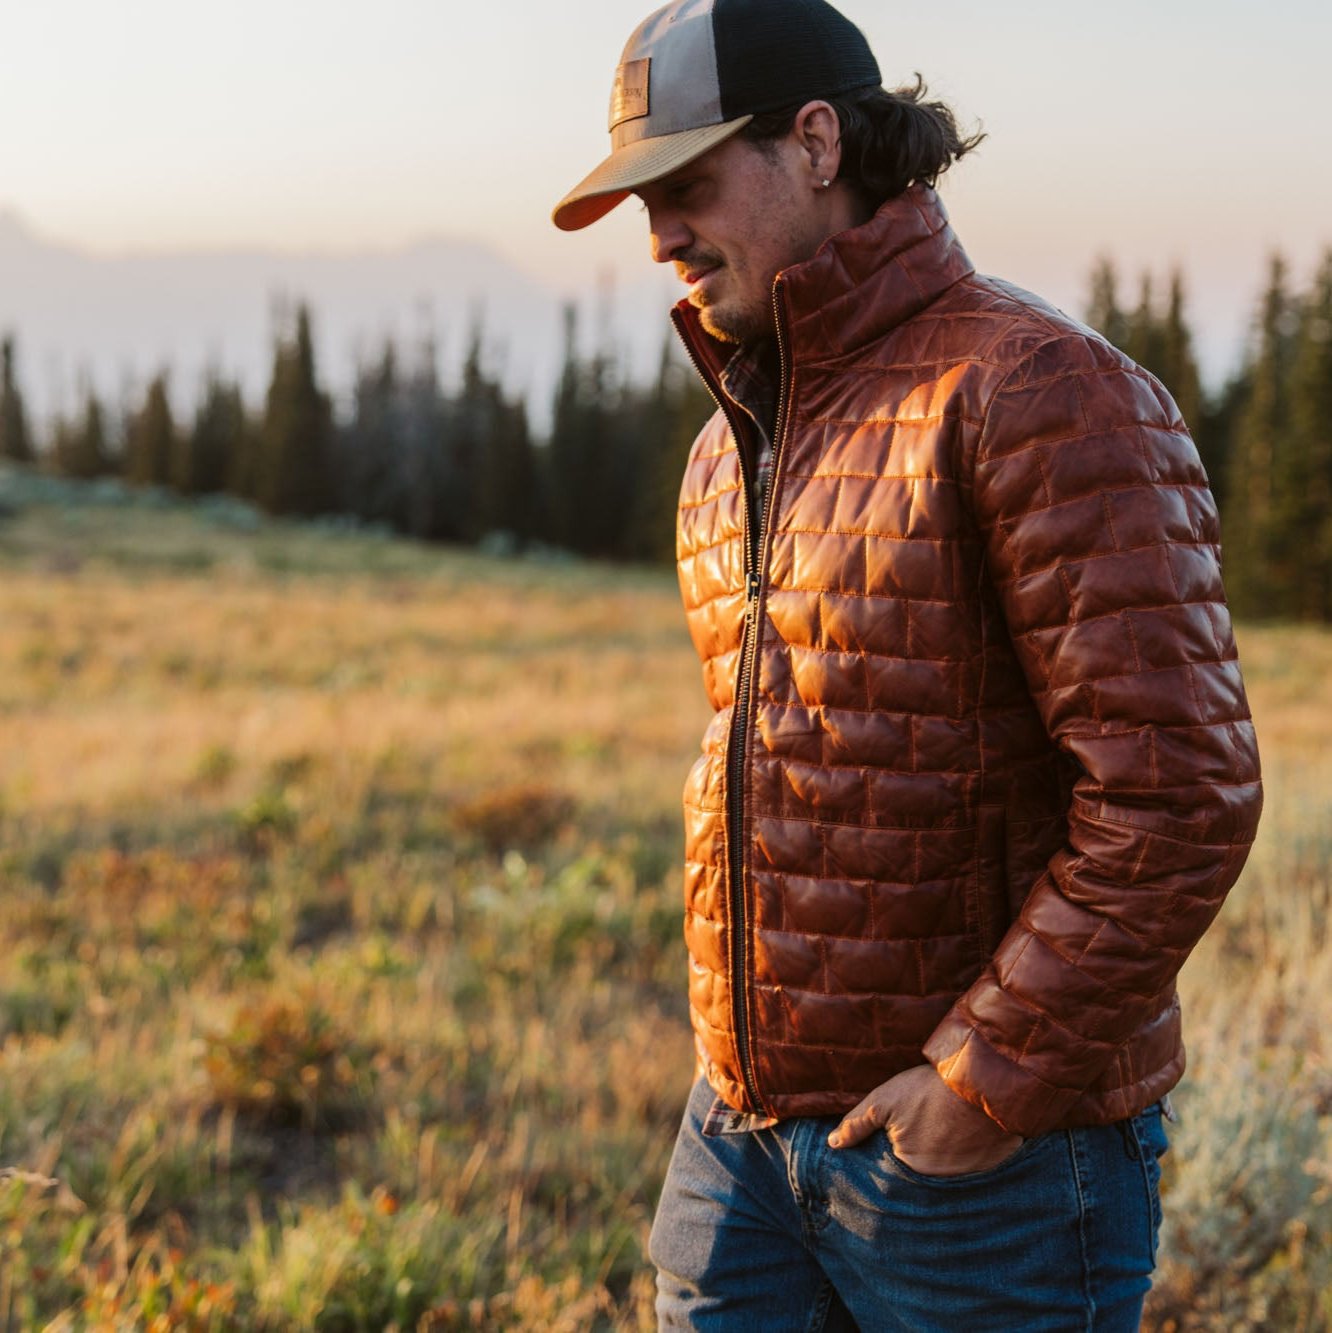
730	221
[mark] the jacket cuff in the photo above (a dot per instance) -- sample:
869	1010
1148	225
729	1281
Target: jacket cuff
1011	1095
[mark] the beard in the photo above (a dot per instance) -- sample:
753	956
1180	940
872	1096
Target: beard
734	322
729	318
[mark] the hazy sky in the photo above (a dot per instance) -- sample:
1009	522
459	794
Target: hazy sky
1159	132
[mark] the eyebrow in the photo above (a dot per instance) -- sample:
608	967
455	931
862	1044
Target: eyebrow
685	176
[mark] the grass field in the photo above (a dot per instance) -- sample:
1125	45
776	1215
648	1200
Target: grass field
341	978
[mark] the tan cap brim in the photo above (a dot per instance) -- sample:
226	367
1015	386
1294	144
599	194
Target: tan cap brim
637	164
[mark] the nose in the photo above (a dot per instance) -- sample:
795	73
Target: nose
669	235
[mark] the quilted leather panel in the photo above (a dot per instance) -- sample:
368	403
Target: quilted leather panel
998	768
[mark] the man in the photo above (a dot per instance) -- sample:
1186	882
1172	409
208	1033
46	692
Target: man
981	770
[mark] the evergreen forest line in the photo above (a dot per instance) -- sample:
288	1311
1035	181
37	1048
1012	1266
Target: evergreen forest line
463	466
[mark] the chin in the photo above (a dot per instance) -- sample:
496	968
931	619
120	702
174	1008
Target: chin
732	326
719	330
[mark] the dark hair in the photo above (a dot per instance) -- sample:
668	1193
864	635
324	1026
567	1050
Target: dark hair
890	140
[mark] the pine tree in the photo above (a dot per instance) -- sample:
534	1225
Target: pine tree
371	470
465	486
205	456
566	445
1178	371
150	442
424	465
1103	312
1257	551
1144	339
242	475
15	442
1307	484
594	457
1160	343
1217	430
1179	368
673	412
296	451
519	511
488	484
81	447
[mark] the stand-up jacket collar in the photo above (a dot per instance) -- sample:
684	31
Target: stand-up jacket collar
860	284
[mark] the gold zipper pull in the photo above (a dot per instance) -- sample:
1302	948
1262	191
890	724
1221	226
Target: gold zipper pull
751	592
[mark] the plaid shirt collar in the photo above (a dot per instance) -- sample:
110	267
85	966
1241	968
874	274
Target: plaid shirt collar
751	385
723	1119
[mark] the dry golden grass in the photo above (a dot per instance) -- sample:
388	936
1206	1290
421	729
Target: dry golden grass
1247	1243
340	890
113	691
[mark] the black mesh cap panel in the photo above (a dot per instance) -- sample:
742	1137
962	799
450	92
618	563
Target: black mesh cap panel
772	53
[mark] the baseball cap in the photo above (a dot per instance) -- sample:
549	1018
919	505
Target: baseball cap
697	71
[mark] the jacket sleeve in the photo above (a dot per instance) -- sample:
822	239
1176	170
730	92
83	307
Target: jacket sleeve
1101	539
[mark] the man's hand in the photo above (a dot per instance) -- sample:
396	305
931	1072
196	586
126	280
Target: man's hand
931	1128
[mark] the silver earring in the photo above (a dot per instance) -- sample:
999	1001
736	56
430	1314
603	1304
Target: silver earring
827	184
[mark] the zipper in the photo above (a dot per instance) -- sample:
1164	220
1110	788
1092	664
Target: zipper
740	708
739	738
735	848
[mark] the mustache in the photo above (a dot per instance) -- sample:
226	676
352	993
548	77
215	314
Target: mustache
690	261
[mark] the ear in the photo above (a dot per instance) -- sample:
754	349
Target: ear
818	134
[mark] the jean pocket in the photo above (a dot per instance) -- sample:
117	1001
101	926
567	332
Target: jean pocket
1147	1130
1026	1150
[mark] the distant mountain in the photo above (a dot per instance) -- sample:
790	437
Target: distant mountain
120	318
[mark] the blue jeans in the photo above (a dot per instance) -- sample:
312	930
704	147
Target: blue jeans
773	1230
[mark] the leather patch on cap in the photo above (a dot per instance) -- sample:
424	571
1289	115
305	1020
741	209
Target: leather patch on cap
629	96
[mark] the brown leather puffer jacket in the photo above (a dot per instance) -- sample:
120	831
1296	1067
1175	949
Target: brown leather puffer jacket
982	769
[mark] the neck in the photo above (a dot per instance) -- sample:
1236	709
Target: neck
847	208
844	208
